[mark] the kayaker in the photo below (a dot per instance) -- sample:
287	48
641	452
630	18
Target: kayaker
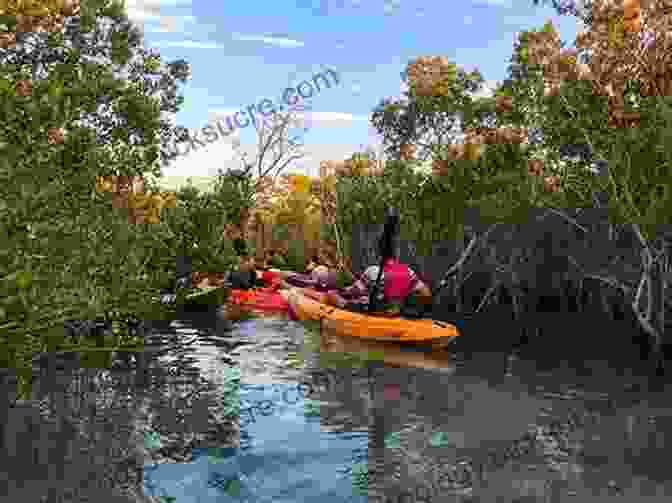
183	279
268	259
245	276
320	278
398	283
314	262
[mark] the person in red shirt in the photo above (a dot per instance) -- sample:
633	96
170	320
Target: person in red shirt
398	282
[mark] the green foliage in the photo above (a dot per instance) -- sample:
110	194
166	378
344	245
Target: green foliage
409	119
498	184
278	262
75	256
196	228
296	255
431	209
639	158
234	193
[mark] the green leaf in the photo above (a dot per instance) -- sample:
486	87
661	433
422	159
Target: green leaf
6	86
55	89
24	280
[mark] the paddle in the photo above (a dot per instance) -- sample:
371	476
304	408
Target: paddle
390	231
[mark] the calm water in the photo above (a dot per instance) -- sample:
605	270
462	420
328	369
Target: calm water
273	411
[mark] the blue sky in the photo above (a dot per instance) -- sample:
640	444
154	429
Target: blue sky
244	51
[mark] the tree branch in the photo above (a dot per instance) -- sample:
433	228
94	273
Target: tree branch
465	255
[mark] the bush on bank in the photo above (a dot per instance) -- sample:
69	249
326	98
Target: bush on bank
493	192
67	250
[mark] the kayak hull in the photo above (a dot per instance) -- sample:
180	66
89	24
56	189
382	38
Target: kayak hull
345	323
266	300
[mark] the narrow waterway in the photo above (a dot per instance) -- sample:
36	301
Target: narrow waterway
275	411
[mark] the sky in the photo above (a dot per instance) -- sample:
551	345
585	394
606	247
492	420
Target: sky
242	52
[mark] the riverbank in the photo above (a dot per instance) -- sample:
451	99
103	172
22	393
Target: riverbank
582	273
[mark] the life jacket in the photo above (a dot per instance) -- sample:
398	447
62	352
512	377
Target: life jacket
398	279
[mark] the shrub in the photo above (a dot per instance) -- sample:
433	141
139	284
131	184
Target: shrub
296	256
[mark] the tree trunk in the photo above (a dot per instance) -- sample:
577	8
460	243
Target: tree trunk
458	289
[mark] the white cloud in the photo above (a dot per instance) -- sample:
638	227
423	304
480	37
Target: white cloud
159	30
332	119
277	41
139	10
488	89
305	119
168	23
219	155
172	24
188	44
154	12
202	162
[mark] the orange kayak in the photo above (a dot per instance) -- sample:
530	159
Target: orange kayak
346	323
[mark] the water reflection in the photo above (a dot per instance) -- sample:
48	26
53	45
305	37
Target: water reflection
345	416
389	354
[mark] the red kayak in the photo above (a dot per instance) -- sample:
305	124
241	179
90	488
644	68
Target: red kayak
260	299
271	277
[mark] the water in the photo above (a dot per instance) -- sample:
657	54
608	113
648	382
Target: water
275	411
283	457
